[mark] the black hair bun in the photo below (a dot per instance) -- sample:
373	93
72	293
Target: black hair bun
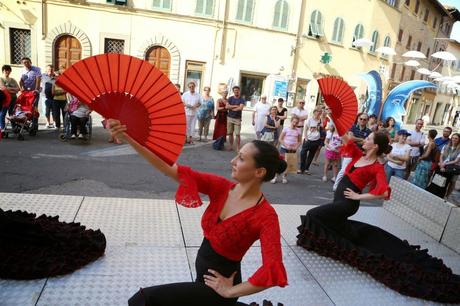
281	166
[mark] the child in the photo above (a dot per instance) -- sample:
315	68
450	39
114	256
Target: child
332	153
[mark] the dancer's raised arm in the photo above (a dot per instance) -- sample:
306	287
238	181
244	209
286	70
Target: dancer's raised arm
118	130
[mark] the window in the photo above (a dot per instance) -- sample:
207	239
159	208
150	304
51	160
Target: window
316	24
245	10
407	2
419	46
427	52
392	3
280	18
114	45
402	73
387	41
251	87
337	34
375	40
412	75
118	2
393	71
194	72
204	7
409	42
435	22
359	32
162	4
20	44
427	12
417	6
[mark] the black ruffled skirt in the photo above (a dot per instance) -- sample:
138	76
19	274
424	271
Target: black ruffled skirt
36	247
405	268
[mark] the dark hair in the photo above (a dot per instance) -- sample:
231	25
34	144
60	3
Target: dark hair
51	66
387	122
372	116
268	157
449	128
432	133
280	100
236	86
6	68
26	59
383	141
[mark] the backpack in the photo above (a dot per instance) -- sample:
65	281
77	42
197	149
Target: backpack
218	144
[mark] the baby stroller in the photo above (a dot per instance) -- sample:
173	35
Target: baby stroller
440	181
25	116
67	132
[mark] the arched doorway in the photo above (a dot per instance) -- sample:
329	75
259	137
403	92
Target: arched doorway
160	58
67	51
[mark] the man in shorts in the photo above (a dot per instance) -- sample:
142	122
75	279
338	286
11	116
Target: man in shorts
235	107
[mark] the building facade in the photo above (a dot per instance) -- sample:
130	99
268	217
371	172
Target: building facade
215	42
425	27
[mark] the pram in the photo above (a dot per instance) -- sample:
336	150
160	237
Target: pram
25	118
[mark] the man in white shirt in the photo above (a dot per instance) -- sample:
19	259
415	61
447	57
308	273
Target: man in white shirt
301	113
192	101
417	141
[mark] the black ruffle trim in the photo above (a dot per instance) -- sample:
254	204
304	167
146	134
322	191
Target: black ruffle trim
37	247
417	274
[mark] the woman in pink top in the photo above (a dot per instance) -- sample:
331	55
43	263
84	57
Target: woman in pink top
289	140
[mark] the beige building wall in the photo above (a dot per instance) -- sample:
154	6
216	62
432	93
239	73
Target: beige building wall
347	61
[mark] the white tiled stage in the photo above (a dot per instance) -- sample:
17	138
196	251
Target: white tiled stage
153	242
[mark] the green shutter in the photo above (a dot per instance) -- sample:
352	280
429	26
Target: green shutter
209	7
199	7
167	4
249	7
277	15
156	3
240	10
284	18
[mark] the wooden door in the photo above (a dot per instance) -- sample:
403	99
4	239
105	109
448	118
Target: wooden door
160	58
67	51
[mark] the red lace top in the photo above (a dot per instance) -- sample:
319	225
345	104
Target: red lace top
372	175
233	236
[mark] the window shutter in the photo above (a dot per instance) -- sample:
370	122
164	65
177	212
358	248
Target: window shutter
249	6
209	7
277	15
199	7
285	12
240	10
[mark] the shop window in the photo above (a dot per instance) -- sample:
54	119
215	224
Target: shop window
20	44
251	87
194	72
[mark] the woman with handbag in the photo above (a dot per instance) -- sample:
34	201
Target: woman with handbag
449	169
424	167
270	130
289	140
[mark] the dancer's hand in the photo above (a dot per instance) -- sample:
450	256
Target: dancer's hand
117	130
219	283
350	194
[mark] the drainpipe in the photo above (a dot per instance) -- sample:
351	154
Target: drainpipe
223	45
298	43
44	20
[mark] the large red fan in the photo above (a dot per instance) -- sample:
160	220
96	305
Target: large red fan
342	102
133	91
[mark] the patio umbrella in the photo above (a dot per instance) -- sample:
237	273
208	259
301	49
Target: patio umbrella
363	42
386	50
424	71
412	63
435	75
414	54
447	56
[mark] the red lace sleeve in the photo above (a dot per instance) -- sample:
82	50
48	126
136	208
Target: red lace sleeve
351	150
380	184
272	271
192	182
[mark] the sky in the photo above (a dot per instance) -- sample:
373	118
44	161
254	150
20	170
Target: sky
456	29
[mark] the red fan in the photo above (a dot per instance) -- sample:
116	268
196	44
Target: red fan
342	102
136	93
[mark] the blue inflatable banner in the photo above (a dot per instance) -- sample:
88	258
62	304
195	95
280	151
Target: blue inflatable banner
374	92
395	103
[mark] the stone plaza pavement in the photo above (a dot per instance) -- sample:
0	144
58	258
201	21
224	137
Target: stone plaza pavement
153	242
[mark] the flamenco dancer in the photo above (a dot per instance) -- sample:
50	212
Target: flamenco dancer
328	231
238	214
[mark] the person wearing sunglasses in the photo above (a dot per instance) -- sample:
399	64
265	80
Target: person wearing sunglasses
301	113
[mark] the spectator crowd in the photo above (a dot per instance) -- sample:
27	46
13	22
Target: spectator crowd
428	160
